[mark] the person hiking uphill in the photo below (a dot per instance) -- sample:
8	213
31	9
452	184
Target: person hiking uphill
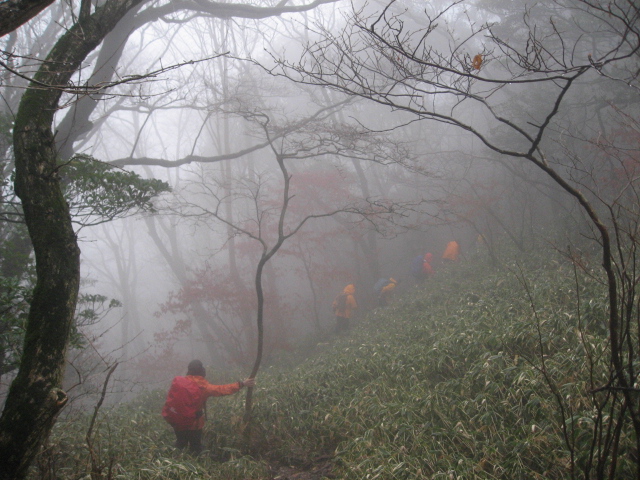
451	252
427	269
385	287
343	307
186	400
421	268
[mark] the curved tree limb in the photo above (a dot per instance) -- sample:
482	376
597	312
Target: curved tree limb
14	13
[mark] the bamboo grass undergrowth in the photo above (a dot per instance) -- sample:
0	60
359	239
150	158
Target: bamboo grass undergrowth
445	383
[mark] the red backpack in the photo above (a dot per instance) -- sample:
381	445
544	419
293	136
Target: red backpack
184	403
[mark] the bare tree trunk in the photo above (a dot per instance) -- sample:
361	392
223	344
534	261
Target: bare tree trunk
35	397
267	253
17	12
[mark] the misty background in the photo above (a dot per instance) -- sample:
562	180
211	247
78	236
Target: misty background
372	186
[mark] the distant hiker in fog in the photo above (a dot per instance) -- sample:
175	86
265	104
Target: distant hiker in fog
384	288
343	307
452	252
427	269
185	405
421	268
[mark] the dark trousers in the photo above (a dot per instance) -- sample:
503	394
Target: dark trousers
190	438
383	301
342	324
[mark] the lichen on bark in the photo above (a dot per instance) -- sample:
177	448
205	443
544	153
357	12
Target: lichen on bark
35	397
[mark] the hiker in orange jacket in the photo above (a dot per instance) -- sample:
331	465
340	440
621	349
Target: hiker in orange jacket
186	400
343	307
385	293
452	252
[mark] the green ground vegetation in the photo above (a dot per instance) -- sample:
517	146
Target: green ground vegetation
479	373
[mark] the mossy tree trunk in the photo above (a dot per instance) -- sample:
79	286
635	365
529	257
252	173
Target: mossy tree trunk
14	13
35	397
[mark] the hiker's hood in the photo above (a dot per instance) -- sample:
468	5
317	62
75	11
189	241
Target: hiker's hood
349	289
428	257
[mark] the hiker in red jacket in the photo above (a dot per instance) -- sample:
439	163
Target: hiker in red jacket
427	269
185	404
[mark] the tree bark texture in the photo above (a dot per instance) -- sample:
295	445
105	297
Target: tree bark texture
35	397
14	13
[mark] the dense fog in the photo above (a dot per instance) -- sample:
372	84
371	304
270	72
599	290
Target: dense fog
282	151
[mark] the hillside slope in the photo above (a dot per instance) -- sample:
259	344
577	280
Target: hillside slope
476	374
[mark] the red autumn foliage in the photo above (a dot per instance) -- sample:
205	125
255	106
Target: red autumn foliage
230	299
